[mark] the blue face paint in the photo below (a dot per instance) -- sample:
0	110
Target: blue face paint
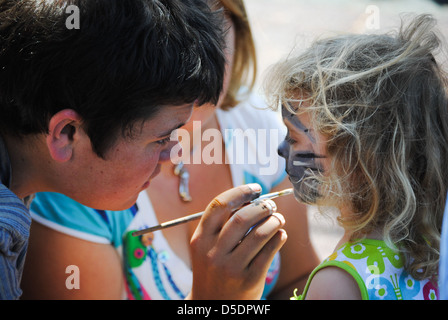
301	166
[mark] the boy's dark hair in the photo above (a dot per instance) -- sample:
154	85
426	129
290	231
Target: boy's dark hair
128	59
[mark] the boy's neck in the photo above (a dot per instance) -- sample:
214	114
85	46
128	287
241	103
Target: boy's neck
23	180
5	165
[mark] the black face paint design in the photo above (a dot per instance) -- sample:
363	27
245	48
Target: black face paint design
301	166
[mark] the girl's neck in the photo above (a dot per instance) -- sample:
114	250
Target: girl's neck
375	234
347	237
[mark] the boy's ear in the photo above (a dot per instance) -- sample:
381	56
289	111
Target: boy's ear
61	129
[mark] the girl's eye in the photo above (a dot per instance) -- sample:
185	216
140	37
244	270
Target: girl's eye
164	141
289	140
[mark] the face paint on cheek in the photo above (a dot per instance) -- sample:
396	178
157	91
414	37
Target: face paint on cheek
302	167
303	170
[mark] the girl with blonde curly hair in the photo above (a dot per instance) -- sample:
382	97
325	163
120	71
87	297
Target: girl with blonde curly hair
367	119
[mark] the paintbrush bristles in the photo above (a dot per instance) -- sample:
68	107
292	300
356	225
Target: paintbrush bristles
274	194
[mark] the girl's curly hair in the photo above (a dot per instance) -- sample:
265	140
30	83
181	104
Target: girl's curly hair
382	101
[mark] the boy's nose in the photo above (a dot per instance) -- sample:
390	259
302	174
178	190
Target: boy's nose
165	154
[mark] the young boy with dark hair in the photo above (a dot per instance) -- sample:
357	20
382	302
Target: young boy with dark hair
89	112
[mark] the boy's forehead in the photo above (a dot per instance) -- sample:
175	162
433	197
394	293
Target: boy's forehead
169	119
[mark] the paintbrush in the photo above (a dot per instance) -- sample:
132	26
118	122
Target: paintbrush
198	215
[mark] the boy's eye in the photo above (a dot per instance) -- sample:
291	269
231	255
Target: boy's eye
164	141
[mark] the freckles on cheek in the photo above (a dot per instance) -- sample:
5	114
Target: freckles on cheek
150	164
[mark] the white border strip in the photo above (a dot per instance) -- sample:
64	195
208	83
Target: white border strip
71	232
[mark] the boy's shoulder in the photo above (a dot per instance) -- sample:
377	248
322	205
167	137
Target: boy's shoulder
15	217
15	223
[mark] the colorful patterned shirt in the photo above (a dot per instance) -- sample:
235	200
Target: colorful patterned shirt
443	263
379	272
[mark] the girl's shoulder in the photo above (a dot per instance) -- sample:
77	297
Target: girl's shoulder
331	283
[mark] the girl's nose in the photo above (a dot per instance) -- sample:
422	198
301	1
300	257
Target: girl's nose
283	150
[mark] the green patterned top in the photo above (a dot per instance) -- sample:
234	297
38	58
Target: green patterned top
379	272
